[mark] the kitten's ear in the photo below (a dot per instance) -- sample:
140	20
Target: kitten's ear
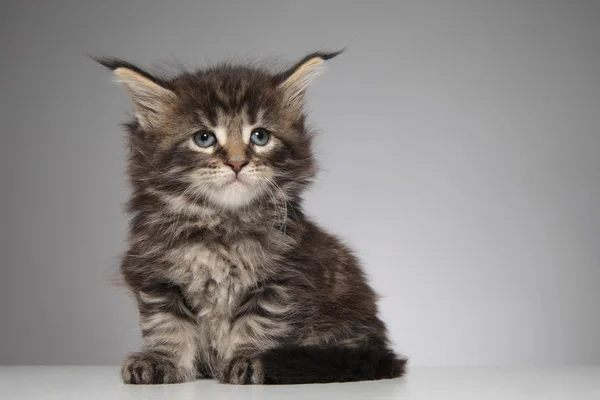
150	98
295	80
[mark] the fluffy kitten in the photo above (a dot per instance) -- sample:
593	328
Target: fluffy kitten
232	279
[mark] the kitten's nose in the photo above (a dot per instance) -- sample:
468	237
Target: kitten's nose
237	166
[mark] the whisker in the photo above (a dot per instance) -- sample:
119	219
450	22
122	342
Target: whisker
147	159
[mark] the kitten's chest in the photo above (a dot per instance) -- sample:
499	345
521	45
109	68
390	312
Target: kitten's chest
214	281
215	278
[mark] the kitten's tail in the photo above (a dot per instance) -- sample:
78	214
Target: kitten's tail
312	364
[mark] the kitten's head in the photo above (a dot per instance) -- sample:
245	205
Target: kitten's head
227	136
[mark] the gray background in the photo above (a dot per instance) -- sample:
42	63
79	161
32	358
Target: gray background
460	146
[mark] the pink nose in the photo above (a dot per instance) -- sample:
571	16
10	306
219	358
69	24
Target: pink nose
237	166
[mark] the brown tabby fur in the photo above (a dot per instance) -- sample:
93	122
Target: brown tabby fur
236	282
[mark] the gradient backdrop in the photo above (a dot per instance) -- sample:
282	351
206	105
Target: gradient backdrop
460	149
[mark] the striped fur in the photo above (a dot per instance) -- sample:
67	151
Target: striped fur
229	274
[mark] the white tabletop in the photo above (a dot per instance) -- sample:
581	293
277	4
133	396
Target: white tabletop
74	382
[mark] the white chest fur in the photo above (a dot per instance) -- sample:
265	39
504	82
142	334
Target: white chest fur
214	280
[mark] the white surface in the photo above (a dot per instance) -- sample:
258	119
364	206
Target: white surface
446	383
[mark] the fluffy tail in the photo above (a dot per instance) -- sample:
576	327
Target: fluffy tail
311	364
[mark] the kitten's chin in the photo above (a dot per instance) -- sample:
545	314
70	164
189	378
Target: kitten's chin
234	195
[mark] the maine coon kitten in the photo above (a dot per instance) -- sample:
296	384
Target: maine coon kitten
232	279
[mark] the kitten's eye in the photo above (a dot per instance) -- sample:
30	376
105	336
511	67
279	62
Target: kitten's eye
205	139
260	136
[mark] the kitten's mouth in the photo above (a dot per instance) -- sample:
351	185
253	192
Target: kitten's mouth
236	182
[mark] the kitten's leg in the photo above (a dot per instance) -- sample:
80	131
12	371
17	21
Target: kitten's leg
261	323
169	331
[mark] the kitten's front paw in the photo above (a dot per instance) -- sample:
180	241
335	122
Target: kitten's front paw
242	371
147	368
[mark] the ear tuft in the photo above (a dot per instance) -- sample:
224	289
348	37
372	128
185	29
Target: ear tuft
113	63
328	56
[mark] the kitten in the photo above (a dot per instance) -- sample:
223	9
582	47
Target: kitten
232	280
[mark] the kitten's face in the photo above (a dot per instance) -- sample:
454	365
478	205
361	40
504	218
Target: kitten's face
228	136
235	160
232	138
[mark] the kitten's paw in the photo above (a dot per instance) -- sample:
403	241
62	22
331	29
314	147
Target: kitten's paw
147	368
242	371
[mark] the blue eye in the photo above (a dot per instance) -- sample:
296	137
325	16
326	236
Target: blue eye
260	136
205	139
